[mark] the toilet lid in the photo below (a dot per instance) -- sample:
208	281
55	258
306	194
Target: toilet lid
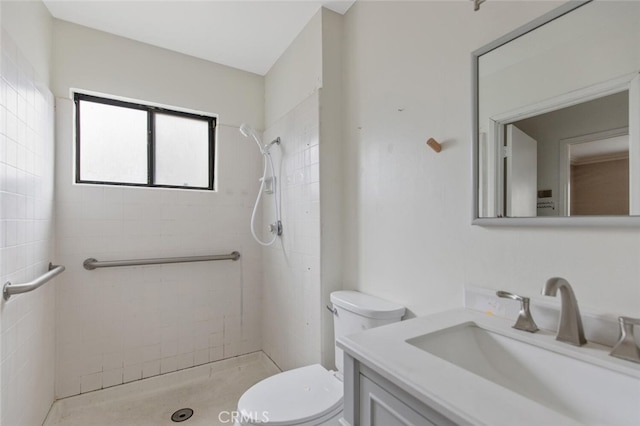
294	396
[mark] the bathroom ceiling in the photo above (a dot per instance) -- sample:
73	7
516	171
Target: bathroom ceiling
246	34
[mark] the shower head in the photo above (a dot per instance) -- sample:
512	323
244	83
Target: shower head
248	132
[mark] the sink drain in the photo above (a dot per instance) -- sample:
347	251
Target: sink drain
182	414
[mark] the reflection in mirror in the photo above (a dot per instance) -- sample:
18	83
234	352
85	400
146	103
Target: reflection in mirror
599	184
583	158
558	115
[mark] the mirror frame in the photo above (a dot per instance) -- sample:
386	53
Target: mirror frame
567	221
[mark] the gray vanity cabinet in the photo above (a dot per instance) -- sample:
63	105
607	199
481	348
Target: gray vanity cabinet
372	400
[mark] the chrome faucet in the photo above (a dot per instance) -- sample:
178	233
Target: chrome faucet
570	327
525	321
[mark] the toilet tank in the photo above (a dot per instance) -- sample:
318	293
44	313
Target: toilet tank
355	312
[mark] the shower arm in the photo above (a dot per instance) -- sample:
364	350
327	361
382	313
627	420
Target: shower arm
276	141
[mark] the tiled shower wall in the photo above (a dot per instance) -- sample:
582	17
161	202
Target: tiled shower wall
291	267
26	239
123	324
117	325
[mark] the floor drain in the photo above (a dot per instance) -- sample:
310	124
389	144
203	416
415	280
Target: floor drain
182	414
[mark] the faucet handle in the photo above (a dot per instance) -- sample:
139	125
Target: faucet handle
626	347
525	321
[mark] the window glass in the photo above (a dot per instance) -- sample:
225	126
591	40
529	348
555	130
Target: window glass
181	151
114	144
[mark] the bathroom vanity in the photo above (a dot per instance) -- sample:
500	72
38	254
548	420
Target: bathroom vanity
374	400
467	367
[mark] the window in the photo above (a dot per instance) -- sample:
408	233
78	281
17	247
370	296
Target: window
125	143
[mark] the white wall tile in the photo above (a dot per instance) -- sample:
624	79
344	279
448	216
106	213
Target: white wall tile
290	323
186	360
154	319
70	386
112	378
91	382
26	196
150	368
131	373
169	364
202	356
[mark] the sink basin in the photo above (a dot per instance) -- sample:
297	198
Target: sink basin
587	392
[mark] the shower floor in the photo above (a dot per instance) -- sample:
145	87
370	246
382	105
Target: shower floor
211	391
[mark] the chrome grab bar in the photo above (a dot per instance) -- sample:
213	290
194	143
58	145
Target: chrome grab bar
10	289
91	263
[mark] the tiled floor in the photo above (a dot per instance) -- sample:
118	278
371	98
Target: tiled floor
211	390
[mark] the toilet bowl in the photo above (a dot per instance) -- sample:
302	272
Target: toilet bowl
308	395
313	395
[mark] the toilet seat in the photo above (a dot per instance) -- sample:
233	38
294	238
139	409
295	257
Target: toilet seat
306	395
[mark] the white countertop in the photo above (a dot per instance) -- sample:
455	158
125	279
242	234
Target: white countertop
462	396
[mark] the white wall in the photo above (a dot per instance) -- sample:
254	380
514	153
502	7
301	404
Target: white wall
94	60
26	218
331	174
408	236
297	74
123	324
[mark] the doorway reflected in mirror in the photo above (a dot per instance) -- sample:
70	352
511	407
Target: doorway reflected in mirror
582	158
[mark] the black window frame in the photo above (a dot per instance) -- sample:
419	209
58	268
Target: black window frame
151	111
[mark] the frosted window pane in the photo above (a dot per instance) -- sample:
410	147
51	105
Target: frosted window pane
113	145
182	151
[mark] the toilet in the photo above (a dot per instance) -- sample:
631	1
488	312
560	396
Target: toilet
312	395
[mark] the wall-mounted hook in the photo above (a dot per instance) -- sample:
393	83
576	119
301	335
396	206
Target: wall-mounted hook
433	144
476	4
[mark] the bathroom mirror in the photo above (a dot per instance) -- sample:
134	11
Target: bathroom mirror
556	119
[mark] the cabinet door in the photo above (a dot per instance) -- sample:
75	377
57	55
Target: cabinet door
380	408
